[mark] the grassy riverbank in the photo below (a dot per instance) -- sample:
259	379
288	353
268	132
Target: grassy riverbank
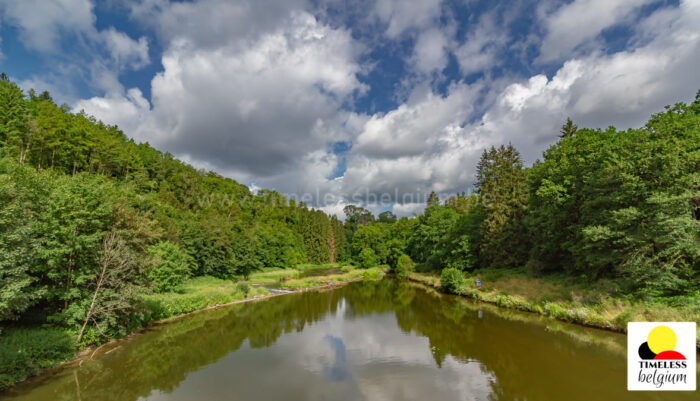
564	298
349	273
196	294
25	350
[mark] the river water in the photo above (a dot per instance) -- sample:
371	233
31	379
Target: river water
365	341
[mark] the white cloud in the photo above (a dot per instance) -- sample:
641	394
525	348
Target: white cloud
128	111
250	109
480	49
65	34
400	16
41	22
430	51
408	209
124	50
579	22
265	101
432	144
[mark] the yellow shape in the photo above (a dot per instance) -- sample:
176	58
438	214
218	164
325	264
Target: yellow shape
660	339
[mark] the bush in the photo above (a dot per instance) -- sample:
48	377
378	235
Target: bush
171	267
404	267
367	258
25	352
243	287
451	280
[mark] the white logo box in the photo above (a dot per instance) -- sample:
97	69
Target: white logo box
659	375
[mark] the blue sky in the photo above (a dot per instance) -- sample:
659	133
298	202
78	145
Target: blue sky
354	101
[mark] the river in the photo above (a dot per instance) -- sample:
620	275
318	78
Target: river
378	340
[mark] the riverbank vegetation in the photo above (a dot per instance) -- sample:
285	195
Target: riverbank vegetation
565	298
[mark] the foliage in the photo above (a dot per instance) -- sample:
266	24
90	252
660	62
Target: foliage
367	258
372	236
451	280
620	204
502	186
195	294
404	267
171	266
243	287
26	351
19	290
84	210
430	234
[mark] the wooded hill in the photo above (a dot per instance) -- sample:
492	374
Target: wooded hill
84	207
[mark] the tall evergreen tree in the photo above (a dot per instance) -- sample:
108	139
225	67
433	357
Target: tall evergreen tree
502	186
14	121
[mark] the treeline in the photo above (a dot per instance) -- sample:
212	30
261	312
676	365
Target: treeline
89	219
621	205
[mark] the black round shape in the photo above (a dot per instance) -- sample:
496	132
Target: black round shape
645	352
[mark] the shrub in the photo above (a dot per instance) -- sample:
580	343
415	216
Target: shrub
171	266
243	287
367	258
404	267
25	352
451	280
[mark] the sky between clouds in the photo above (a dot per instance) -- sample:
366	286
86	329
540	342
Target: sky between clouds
347	101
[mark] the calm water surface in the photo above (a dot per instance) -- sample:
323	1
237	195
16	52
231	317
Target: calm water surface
365	341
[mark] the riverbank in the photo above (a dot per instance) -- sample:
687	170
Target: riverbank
588	304
27	351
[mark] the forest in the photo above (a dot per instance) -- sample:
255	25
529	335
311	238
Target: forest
600	204
90	220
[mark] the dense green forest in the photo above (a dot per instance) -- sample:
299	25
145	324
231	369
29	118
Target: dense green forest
89	220
601	204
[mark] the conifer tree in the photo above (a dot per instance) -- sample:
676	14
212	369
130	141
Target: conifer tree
502	185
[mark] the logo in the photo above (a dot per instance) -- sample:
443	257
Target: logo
661	356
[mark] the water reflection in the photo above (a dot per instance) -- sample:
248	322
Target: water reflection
375	340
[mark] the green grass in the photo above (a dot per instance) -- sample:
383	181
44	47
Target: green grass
25	352
273	275
306	266
596	304
373	273
195	294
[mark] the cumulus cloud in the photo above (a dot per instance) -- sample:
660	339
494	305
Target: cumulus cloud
41	23
398	16
579	22
126	52
263	97
128	111
481	48
255	109
430	51
434	143
208	24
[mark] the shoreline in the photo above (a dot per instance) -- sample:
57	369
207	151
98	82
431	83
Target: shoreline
82	352
515	302
90	352
510	301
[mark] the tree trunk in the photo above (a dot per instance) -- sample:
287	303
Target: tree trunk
92	303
